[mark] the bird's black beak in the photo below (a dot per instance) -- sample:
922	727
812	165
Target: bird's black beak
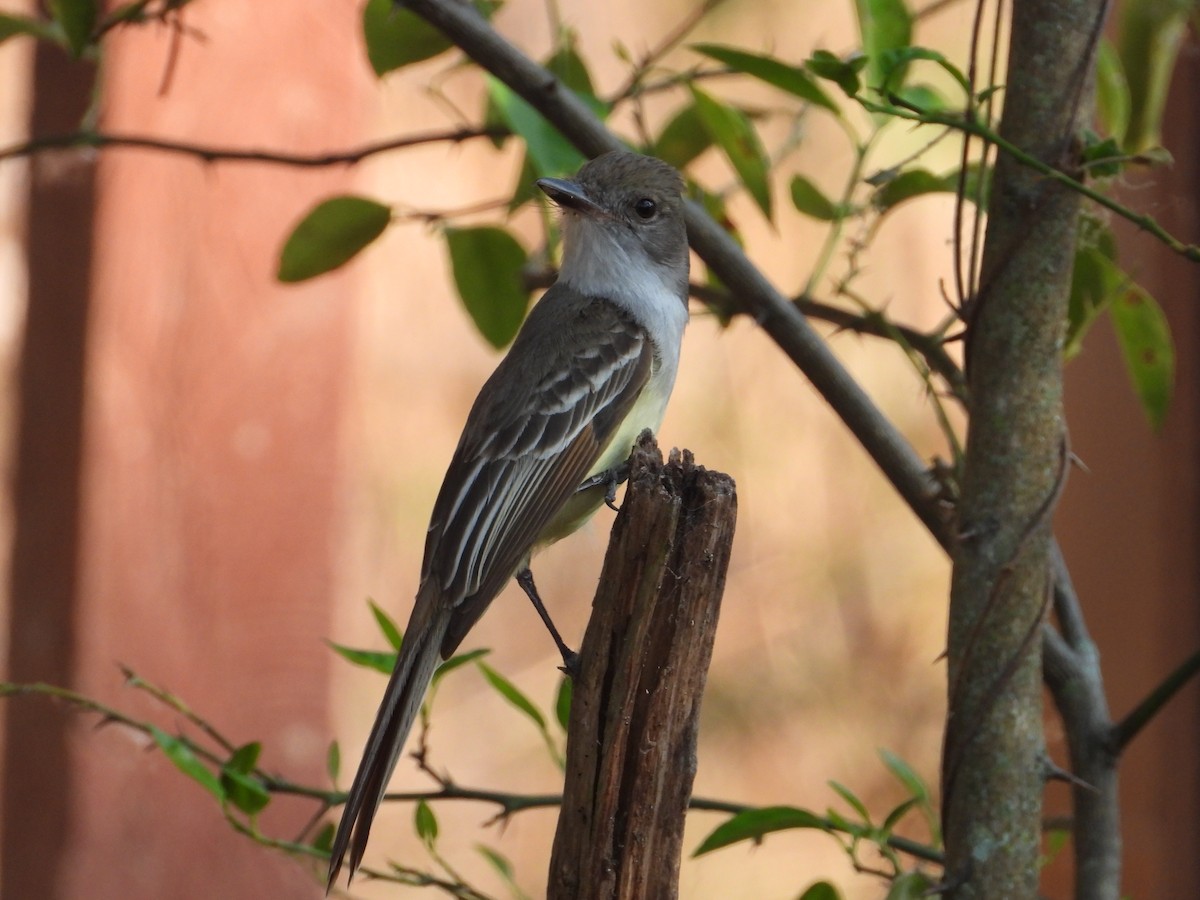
570	195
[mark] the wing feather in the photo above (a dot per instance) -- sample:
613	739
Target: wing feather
530	440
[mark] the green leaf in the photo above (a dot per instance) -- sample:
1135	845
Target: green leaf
841	823
683	138
1102	158
180	753
397	37
488	266
907	185
904	773
245	757
457	661
792	79
885	25
807	198
898	58
846	794
11	26
892	819
333	761
753	824
498	861
1113	103
77	18
330	235
921	98
526	188
1054	840
562	702
843	73
387	626
1093	284
893	188
821	890
568	67
503	868
731	130
714	205
367	659
910	886
1150	34
513	695
978	184
551	153
323	841
426	823
244	791
1142	330
1145	339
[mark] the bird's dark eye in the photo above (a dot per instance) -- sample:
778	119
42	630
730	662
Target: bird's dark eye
645	208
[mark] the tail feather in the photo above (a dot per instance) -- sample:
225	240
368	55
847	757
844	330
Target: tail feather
417	661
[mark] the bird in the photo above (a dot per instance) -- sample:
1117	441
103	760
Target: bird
592	366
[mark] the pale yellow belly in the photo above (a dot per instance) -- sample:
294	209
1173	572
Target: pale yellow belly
647	412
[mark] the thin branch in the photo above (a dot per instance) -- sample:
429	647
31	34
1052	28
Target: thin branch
1139	717
108	714
1071	671
447	791
930	346
169	700
208	153
775	313
1142	221
682	29
1067	608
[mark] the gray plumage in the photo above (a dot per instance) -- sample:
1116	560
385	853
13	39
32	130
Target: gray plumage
593	365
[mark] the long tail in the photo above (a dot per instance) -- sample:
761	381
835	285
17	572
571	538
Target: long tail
418	659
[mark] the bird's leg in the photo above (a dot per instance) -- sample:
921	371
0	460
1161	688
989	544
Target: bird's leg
570	658
610	478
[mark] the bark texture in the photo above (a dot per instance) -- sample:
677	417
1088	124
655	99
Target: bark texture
993	764
631	746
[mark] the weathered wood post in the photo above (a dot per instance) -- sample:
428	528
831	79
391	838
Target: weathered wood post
631	744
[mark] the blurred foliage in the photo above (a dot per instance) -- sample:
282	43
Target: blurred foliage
883	76
884	79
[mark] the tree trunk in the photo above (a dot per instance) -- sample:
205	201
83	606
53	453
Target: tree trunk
1015	462
631	745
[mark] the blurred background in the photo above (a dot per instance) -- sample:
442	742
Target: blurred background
211	473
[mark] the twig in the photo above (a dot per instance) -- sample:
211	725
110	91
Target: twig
396	875
1071	671
1143	221
763	301
930	346
665	46
166	698
107	714
448	790
209	153
1138	717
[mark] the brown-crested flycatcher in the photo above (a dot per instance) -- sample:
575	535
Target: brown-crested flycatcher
591	368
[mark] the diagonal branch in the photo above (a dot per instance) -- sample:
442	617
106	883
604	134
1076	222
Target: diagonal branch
1137	719
759	298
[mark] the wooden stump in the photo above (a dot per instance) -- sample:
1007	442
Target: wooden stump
631	745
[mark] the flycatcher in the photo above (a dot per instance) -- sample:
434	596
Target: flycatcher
592	367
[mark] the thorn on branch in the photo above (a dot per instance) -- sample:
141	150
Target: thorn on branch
1052	771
